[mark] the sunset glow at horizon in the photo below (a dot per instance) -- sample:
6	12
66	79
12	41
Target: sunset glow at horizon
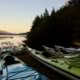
17	15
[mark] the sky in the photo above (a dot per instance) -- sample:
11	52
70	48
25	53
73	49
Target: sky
17	15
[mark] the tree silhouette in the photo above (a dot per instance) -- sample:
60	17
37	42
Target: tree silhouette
61	27
73	2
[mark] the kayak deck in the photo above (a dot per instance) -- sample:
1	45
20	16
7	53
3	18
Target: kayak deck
59	63
21	71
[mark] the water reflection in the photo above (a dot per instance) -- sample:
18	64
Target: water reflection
15	40
12	45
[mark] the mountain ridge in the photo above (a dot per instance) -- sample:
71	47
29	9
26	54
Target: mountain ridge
3	32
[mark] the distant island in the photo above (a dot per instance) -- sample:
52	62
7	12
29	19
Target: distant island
2	32
25	33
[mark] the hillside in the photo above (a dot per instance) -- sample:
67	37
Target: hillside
5	33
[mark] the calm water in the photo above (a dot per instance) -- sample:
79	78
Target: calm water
18	71
16	40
